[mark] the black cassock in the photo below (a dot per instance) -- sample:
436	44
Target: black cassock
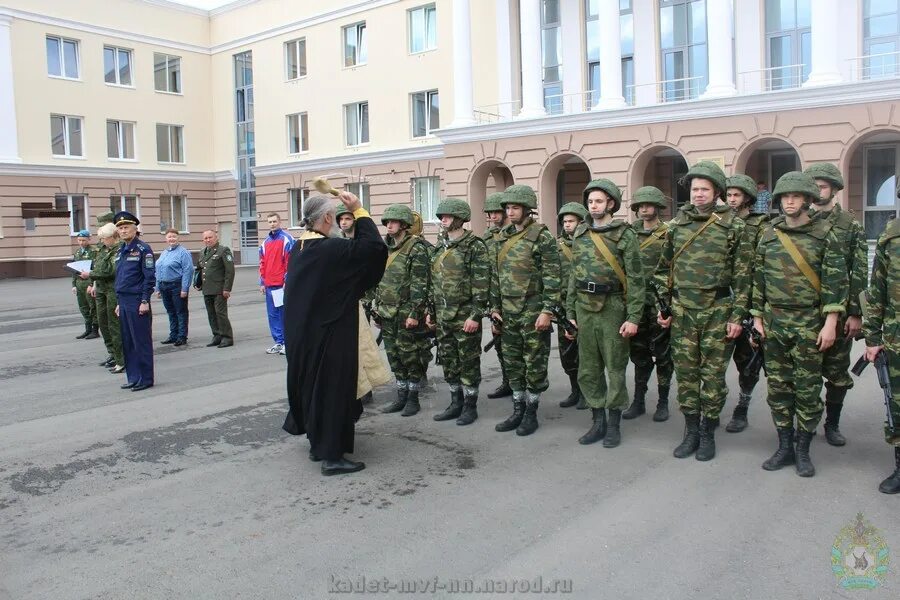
326	278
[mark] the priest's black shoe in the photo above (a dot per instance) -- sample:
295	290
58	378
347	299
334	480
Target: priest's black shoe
141	386
314	458
127	386
215	342
502	391
342	466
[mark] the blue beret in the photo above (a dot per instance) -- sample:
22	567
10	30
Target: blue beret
83	233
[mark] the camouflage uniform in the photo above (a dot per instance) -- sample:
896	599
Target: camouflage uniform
493	238
568	349
86	304
103	275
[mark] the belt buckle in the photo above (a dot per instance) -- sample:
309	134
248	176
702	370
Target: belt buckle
592	287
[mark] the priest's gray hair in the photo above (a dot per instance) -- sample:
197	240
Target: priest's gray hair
315	209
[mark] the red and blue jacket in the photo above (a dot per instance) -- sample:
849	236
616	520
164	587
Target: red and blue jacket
274	253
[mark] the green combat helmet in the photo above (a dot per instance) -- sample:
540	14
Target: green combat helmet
648	195
706	169
398	212
493	202
341	209
573	208
744	183
797	183
455	208
105	218
604	185
521	195
828	172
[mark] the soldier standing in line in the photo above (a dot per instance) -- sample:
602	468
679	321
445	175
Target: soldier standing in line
103	275
571	215
836	367
400	300
741	197
525	290
217	264
605	301
460	275
86	304
799	292
647	202
496	221
704	265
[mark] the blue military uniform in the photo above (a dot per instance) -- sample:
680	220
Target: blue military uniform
135	280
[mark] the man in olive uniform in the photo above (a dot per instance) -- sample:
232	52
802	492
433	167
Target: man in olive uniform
652	345
103	275
883	332
836	367
86	304
346	221
605	301
460	285
799	292
217	264
525	290
741	197
496	221
571	215
399	302
704	265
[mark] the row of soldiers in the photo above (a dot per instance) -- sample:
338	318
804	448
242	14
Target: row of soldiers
687	296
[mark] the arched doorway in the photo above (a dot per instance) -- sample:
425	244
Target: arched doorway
488	177
765	161
563	180
871	171
662	167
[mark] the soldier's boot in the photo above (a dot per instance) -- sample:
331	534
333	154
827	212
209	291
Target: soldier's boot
707	448
613	434
513	421
834	402
784	456
402	395
502	391
805	467
529	422
662	406
582	401
638	406
87	332
691	437
455	409
598	427
470	411
891	485
738	420
412	400
572	398
94	333
108	362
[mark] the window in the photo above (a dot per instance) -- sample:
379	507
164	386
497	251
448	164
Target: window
173	213
167	73
62	57
361	191
682	31
881	38
356	50
425	113
120	140
129	203
356	120
788	43
426	194
592	35
65	135
117	66
77	205
551	56
297	197
298	139
880	199
169	143
295	59
422	29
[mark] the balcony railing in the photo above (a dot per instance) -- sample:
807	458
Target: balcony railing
875	66
783	77
671	90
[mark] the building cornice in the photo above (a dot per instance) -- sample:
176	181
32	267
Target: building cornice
324	165
32	170
194	10
230	7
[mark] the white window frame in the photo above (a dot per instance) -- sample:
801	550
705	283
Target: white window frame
116	50
361	190
120	140
865	181
295	194
169	128
429	94
360	57
67	137
121	199
288	55
169	57
425	9
357	106
86	210
183	213
301	121
434	191
62	57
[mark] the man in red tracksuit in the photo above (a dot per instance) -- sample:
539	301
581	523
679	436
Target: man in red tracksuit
274	253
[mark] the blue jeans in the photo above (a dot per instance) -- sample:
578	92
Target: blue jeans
176	307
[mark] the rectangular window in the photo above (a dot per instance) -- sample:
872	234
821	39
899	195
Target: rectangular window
296	197
360	190
881	39
298	138
117	66
426	195
167	73
426	115
356	50
356	120
295	59
130	203
422	28
169	143
120	140
682	30
173	213
788	43
77	206
63	57
65	135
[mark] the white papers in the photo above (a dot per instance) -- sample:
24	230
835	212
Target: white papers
79	265
278	297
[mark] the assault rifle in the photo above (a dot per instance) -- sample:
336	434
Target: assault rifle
498	323
559	317
757	358
430	333
884	380
659	344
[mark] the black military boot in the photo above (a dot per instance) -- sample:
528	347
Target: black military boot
582	401
784	456
502	391
215	341
598	428
891	485
738	420
94	333
87	332
398	404
691	437
638	406
513	421
470	412
707	448
834	402
412	401
613	434
805	467
529	422
572	398
454	410
662	406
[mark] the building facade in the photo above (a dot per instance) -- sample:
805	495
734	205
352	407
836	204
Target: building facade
201	119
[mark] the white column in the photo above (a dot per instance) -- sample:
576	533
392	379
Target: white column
646	52
532	65
573	63
826	37
504	59
463	96
610	57
719	27
748	46
9	141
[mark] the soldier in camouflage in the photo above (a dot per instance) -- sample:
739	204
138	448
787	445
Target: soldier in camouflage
496	220
741	197
102	276
837	360
571	215
86	304
704	265
605	300
525	290
647	202
400	305
346	221
460	286
799	292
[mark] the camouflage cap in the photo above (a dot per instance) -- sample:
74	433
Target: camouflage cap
607	186
744	183
341	209
493	203
797	183
521	195
706	169
648	195
397	212
573	208
105	218
455	208
828	172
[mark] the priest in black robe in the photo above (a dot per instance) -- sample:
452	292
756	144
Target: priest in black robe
327	276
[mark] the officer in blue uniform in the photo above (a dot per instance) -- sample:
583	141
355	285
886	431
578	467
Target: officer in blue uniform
135	280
